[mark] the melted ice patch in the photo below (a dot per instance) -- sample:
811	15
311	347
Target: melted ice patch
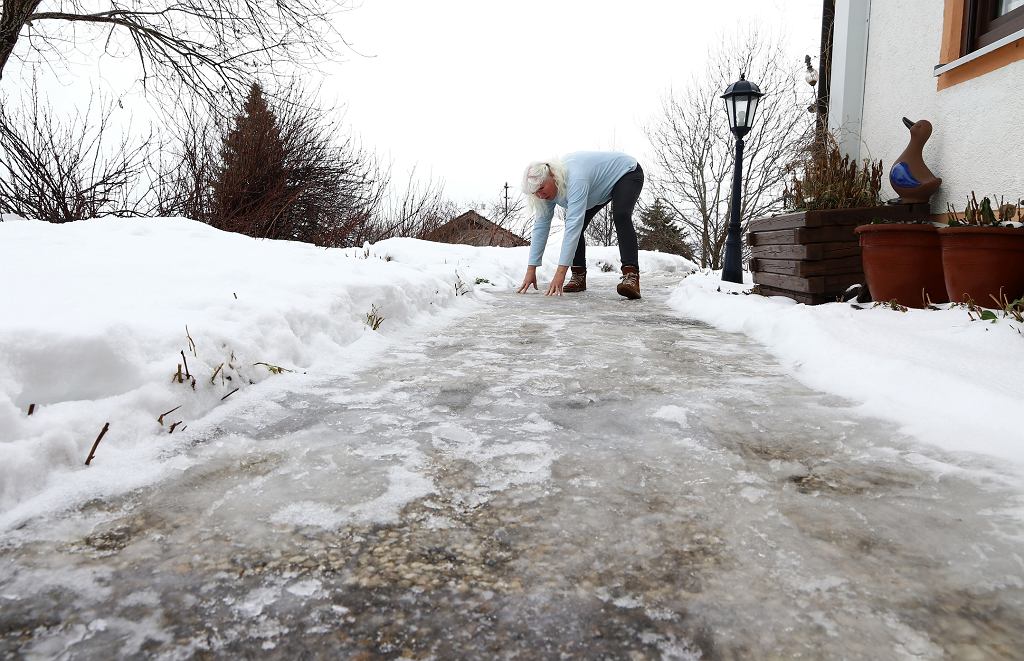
676	414
537	424
305	588
404	486
308	513
256	600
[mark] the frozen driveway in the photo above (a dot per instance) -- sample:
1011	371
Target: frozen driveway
576	478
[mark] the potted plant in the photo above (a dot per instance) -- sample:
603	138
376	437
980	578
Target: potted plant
903	262
983	253
812	254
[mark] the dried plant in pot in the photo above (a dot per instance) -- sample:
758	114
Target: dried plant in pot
826	179
983	252
812	254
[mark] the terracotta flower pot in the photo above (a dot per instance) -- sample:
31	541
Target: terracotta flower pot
982	261
902	262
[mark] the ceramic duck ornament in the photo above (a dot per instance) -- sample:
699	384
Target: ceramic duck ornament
909	176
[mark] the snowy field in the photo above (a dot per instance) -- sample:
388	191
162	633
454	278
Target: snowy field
99	315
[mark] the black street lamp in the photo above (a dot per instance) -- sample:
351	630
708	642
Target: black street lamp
740	103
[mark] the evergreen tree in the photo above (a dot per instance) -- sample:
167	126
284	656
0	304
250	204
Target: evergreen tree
283	173
658	231
250	189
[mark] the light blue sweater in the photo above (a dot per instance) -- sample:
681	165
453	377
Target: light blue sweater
589	181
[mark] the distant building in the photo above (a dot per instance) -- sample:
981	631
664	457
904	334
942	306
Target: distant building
472	229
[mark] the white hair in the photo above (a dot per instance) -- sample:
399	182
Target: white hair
534	177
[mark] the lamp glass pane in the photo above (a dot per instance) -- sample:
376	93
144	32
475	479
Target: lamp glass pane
741	112
730	110
751	107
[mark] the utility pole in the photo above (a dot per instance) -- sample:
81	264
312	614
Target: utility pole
506	199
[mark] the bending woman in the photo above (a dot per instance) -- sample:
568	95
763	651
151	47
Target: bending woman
583	183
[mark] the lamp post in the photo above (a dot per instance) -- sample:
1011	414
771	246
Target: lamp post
740	103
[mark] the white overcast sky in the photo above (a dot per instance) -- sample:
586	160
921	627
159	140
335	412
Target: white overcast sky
472	90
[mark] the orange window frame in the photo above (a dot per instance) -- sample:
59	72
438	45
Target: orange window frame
954	22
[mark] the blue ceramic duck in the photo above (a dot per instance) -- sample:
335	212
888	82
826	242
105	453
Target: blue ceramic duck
909	176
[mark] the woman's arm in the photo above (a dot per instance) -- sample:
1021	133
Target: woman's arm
538	240
539	237
575	213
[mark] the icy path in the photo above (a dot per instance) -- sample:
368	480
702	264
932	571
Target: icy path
585	477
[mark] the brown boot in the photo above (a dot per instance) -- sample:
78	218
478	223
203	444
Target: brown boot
629	286
578	281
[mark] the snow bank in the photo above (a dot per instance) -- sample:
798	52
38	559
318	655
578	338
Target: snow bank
941	377
98	315
95	327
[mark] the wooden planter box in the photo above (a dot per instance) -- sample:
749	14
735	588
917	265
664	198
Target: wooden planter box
814	256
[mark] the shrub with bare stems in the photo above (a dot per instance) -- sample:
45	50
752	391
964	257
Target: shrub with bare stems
511	212
285	169
62	171
601	231
279	170
418	209
182	168
333	184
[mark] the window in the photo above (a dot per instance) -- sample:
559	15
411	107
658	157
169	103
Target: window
988	21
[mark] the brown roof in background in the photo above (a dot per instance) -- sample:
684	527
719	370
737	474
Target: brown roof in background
473	229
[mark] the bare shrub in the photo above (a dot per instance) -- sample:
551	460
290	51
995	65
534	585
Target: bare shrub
511	212
62	171
416	210
182	168
333	184
280	171
601	231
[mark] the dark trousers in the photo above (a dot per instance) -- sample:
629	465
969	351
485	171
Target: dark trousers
625	193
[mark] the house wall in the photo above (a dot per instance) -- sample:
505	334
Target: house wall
978	139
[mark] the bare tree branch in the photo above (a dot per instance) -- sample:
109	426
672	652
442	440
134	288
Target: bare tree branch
61	172
211	47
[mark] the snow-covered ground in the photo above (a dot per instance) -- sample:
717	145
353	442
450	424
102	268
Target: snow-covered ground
98	316
938	375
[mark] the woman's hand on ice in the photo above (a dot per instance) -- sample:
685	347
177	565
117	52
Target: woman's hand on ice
555	288
529	279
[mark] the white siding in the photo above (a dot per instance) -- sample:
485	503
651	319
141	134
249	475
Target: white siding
978	141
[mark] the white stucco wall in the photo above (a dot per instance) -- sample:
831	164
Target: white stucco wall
978	139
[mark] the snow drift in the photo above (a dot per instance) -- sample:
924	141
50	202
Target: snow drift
123	320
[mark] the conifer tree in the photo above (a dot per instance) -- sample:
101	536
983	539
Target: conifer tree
250	190
657	231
